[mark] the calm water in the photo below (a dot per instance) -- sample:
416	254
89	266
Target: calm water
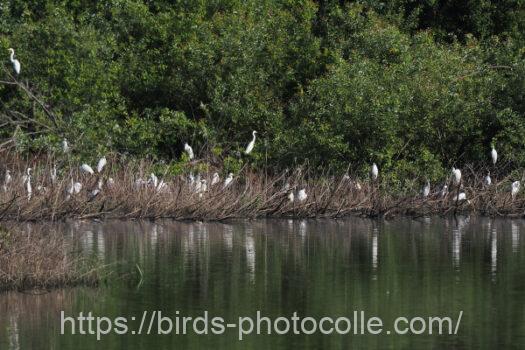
431	267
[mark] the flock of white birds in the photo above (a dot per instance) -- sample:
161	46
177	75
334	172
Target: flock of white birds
200	186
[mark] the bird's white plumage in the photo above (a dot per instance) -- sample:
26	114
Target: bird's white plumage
444	191
426	189
87	169
251	145
291	197
456	175
215	179
101	164
374	172
14	61
65	146
301	195
228	180
189	151
494	155
515	188
487	181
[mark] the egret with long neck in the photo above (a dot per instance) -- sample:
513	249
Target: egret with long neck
14	61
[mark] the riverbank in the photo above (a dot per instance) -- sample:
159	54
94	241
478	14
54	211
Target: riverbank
132	191
41	260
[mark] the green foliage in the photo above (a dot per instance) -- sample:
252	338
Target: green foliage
402	83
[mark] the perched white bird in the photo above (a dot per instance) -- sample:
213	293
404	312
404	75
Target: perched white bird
494	155
101	164
14	61
462	196
153	180
250	146
487	181
374	172
228	180
203	187
87	169
301	195
444	191
515	188
29	188
426	189
216	178
65	146
358	186
7	180
456	175
189	151
291	197
98	189
54	174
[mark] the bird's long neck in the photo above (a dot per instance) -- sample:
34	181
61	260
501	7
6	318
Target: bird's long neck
12	56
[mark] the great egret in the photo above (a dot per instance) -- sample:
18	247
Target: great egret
7	179
189	151
14	61
426	189
250	146
87	169
54	174
101	164
65	146
462	196
487	181
291	197
494	155
444	191
28	184
301	195
215	180
515	189
203	187
374	172
97	190
456	175
228	180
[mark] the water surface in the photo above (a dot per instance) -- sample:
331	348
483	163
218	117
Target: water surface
427	267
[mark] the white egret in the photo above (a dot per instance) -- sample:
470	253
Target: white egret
203	187
154	180
228	180
462	197
291	197
456	175
65	146
494	155
189	151
77	187
28	184
97	190
426	189
216	178
301	195
87	169
251	145
14	61
515	189
54	174
101	164
487	181
374	172
444	191
7	179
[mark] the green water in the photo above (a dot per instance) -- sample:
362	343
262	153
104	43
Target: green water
430	267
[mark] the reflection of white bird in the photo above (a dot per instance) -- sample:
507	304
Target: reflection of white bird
7	179
374	171
301	195
14	61
250	146
228	180
101	164
515	188
65	146
189	151
87	169
487	181
494	155
216	178
456	174
426	189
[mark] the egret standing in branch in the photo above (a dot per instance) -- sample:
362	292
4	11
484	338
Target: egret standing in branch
101	164
301	195
216	178
228	180
426	189
494	155
7	180
487	181
14	61
515	189
251	145
374	172
87	169
189	151
28	184
456	175
65	146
